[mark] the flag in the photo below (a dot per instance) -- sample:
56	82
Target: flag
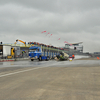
59	39
47	34
43	31
68	43
50	35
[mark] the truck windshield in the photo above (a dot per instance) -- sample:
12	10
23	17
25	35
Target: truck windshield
33	50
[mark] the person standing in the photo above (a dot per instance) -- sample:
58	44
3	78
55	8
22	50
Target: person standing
73	56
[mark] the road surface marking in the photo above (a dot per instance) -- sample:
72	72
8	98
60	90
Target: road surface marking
21	71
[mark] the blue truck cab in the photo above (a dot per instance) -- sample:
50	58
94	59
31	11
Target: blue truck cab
35	53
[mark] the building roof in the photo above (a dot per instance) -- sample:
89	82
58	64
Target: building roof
75	43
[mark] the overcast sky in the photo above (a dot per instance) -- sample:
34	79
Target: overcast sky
71	20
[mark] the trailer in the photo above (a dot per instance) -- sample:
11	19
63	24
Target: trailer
5	50
35	53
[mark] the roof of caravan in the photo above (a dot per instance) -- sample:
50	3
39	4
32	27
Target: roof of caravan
4	45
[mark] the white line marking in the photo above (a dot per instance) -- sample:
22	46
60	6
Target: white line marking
21	71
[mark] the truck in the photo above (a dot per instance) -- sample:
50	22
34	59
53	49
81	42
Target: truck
35	53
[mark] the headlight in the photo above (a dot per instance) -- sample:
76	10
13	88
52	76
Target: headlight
35	56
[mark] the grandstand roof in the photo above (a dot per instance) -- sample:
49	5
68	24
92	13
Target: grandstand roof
75	43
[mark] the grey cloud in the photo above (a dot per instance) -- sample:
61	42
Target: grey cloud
57	5
72	20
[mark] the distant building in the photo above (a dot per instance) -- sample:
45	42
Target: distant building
74	48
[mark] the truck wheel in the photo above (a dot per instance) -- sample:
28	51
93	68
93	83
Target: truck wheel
32	59
40	58
47	58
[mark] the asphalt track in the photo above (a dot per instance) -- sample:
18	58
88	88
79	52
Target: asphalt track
50	80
